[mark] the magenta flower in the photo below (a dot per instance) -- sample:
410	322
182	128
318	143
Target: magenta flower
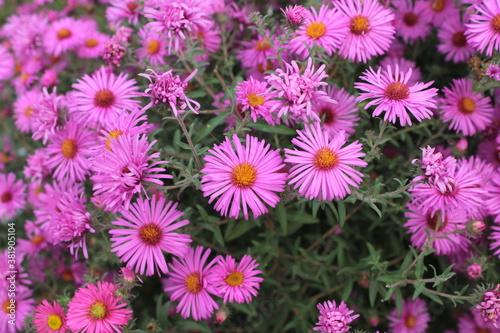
149	231
413	319
452	41
493	71
493	204
391	93
121	10
174	18
50	318
7	64
69	150
326	29
128	123
103	96
236	282
255	97
475	271
95	308
257	51
489	308
190	282
468	111
24	108
169	89
412	21
473	322
333	318
483	29
342	116
439	171
443	227
62	36
120	172
243	176
297	91
93	43
153	47
371	29
323	169
47	113
12	195
404	66
21	308
295	15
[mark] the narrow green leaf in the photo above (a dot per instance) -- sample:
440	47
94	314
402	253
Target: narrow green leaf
281	215
341	210
278	129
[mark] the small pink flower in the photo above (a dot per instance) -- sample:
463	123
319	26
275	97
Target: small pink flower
295	15
475	271
412	20
12	195
333	318
414	318
255	97
50	318
490	306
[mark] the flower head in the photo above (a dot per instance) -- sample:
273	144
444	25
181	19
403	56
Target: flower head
475	271
323	169
392	94
490	306
153	47
50	318
333	318
12	195
95	308
483	29
243	176
413	319
62	35
190	282
452	40
236	282
255	96
412	20
295	15
149	226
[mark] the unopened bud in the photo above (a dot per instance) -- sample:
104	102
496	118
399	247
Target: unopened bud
295	15
476	227
221	315
475	271
462	145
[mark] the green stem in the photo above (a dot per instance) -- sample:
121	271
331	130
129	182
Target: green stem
190	142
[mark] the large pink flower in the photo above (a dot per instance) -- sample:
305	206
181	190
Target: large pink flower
483	29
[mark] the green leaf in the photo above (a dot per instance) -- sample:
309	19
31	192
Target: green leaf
210	126
375	208
240	228
418	290
432	296
278	129
341	210
372	292
217	234
390	279
281	215
346	292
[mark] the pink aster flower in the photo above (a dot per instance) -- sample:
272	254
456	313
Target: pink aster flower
295	15
62	36
190	282
452	41
489	308
371	30
255	97
121	10
483	29
444	229
468	111
413	319
243	176
174	18
21	308
27	30
47	115
404	66
153	47
69	150
322	168
12	195
36	242
439	171
493	204
412	21
475	271
495	240
50	318
120	172
333	318
473	322
149	231
103	96
7	64
297	91
493	71
440	11
257	51
208	38
128	123
236	282
391	93
93	43
326	29
24	108
169	89
342	116
95	308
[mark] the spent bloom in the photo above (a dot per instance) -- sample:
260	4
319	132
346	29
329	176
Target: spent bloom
149	226
322	168
392	94
191	283
236	282
169	89
333	318
50	318
484	26
493	71
490	306
243	176
95	308
297	91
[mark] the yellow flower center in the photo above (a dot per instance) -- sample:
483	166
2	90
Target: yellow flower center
262	45
63	34
153	47
24	77
6	305
397	91
37	240
410	321
458	39
410	19
326	159
98	310
112	135
359	25
104	98
244	175
234	279
466	106
150	234
54	322
91	42
69	148
28	112
316	29
495	23
193	284
255	100
438	5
